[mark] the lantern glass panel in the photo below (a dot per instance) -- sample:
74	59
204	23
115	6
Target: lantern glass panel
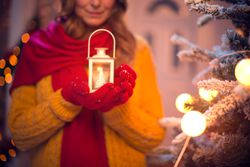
101	74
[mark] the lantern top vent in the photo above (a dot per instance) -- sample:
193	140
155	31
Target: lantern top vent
101	53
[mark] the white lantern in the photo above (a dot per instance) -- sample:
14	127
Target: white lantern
101	66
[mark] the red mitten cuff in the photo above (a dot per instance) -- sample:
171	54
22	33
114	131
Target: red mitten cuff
118	98
124	80
100	98
75	90
125	67
125	74
111	98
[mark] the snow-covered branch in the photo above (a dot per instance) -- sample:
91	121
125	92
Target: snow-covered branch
235	12
204	19
223	86
194	53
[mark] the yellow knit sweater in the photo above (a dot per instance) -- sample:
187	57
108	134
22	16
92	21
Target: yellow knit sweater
38	114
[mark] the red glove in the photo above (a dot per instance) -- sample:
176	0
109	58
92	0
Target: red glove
124	79
125	73
107	96
77	92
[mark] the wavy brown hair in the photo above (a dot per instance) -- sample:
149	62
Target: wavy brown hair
125	41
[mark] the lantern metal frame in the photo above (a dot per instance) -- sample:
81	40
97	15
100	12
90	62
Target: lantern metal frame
104	60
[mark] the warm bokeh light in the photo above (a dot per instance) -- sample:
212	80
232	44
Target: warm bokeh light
181	102
193	123
208	95
242	72
2	63
240	32
25	37
2	81
3	157
7	70
16	50
13	60
12	142
12	153
8	78
1	136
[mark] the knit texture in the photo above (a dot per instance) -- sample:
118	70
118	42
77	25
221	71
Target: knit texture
37	116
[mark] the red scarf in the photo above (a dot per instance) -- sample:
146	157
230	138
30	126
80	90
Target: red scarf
53	52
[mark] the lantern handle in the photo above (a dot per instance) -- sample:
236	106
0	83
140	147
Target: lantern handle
98	30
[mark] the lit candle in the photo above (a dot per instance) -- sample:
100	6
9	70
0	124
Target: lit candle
100	78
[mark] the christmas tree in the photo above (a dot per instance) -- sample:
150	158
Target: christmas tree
224	94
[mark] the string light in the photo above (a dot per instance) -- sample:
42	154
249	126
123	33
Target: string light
8	78
16	50
193	123
242	72
208	95
13	60
25	37
12	142
2	63
12	153
181	102
7	70
3	158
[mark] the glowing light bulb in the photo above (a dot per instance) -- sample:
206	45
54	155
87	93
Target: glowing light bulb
16	50
193	123
3	158
208	95
12	142
181	102
25	37
242	72
7	70
12	153
2	63
13	60
8	78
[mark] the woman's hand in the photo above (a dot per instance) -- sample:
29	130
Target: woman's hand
124	79
77	92
107	96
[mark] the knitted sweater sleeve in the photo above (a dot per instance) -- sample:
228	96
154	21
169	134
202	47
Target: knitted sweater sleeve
33	119
137	120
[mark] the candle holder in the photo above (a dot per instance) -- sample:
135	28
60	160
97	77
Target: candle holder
101	65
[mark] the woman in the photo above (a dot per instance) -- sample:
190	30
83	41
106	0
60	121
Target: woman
53	115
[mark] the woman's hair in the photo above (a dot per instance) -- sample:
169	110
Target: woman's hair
76	28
